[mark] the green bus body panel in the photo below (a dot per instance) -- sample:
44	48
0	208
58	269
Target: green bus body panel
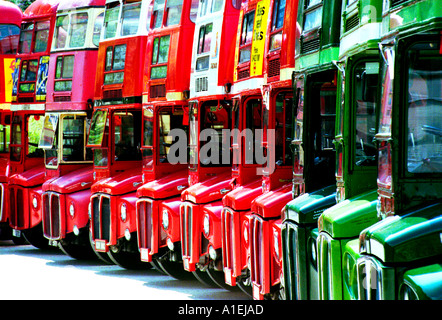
349	270
321	58
426	281
349	217
308	207
414	236
412	15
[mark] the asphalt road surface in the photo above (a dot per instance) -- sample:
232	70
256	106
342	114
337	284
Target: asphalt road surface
28	273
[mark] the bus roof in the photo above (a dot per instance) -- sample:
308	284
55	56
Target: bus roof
70	4
41	8
11	13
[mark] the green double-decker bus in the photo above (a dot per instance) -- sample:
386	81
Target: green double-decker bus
401	255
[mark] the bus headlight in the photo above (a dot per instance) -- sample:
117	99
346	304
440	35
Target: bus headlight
206	225
35	202
165	219
71	209
123	212
276	244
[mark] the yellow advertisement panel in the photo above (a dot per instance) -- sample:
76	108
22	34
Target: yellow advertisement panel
238	40
259	37
8	71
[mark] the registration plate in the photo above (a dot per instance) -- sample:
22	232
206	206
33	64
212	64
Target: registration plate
144	253
256	292
100	246
16	233
186	264
228	276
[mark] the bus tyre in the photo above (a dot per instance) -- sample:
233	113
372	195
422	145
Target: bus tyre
127	260
35	237
174	269
218	278
126	254
78	247
204	278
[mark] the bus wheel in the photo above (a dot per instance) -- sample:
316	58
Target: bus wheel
35	237
126	255
127	260
174	269
78	247
244	283
204	278
218	278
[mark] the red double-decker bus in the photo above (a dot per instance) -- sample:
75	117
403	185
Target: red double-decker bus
165	110
68	163
265	224
209	169
27	106
10	22
247	119
115	132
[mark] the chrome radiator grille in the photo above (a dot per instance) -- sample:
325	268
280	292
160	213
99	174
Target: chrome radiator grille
186	229
257	251
370	279
51	216
324	267
144	211
101	217
290	263
16	207
2	200
228	242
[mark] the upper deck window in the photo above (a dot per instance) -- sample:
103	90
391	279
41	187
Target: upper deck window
174	9
204	41
160	55
42	36
111	21
169	10
61	30
71	30
25	42
40	42
97	29
78	30
313	15
277	24
9	35
130	19
158	12
210	6
246	37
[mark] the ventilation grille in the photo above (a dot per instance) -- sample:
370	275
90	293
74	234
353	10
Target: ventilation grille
310	45
113	94
352	22
243	74
62	98
274	68
158	91
201	84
